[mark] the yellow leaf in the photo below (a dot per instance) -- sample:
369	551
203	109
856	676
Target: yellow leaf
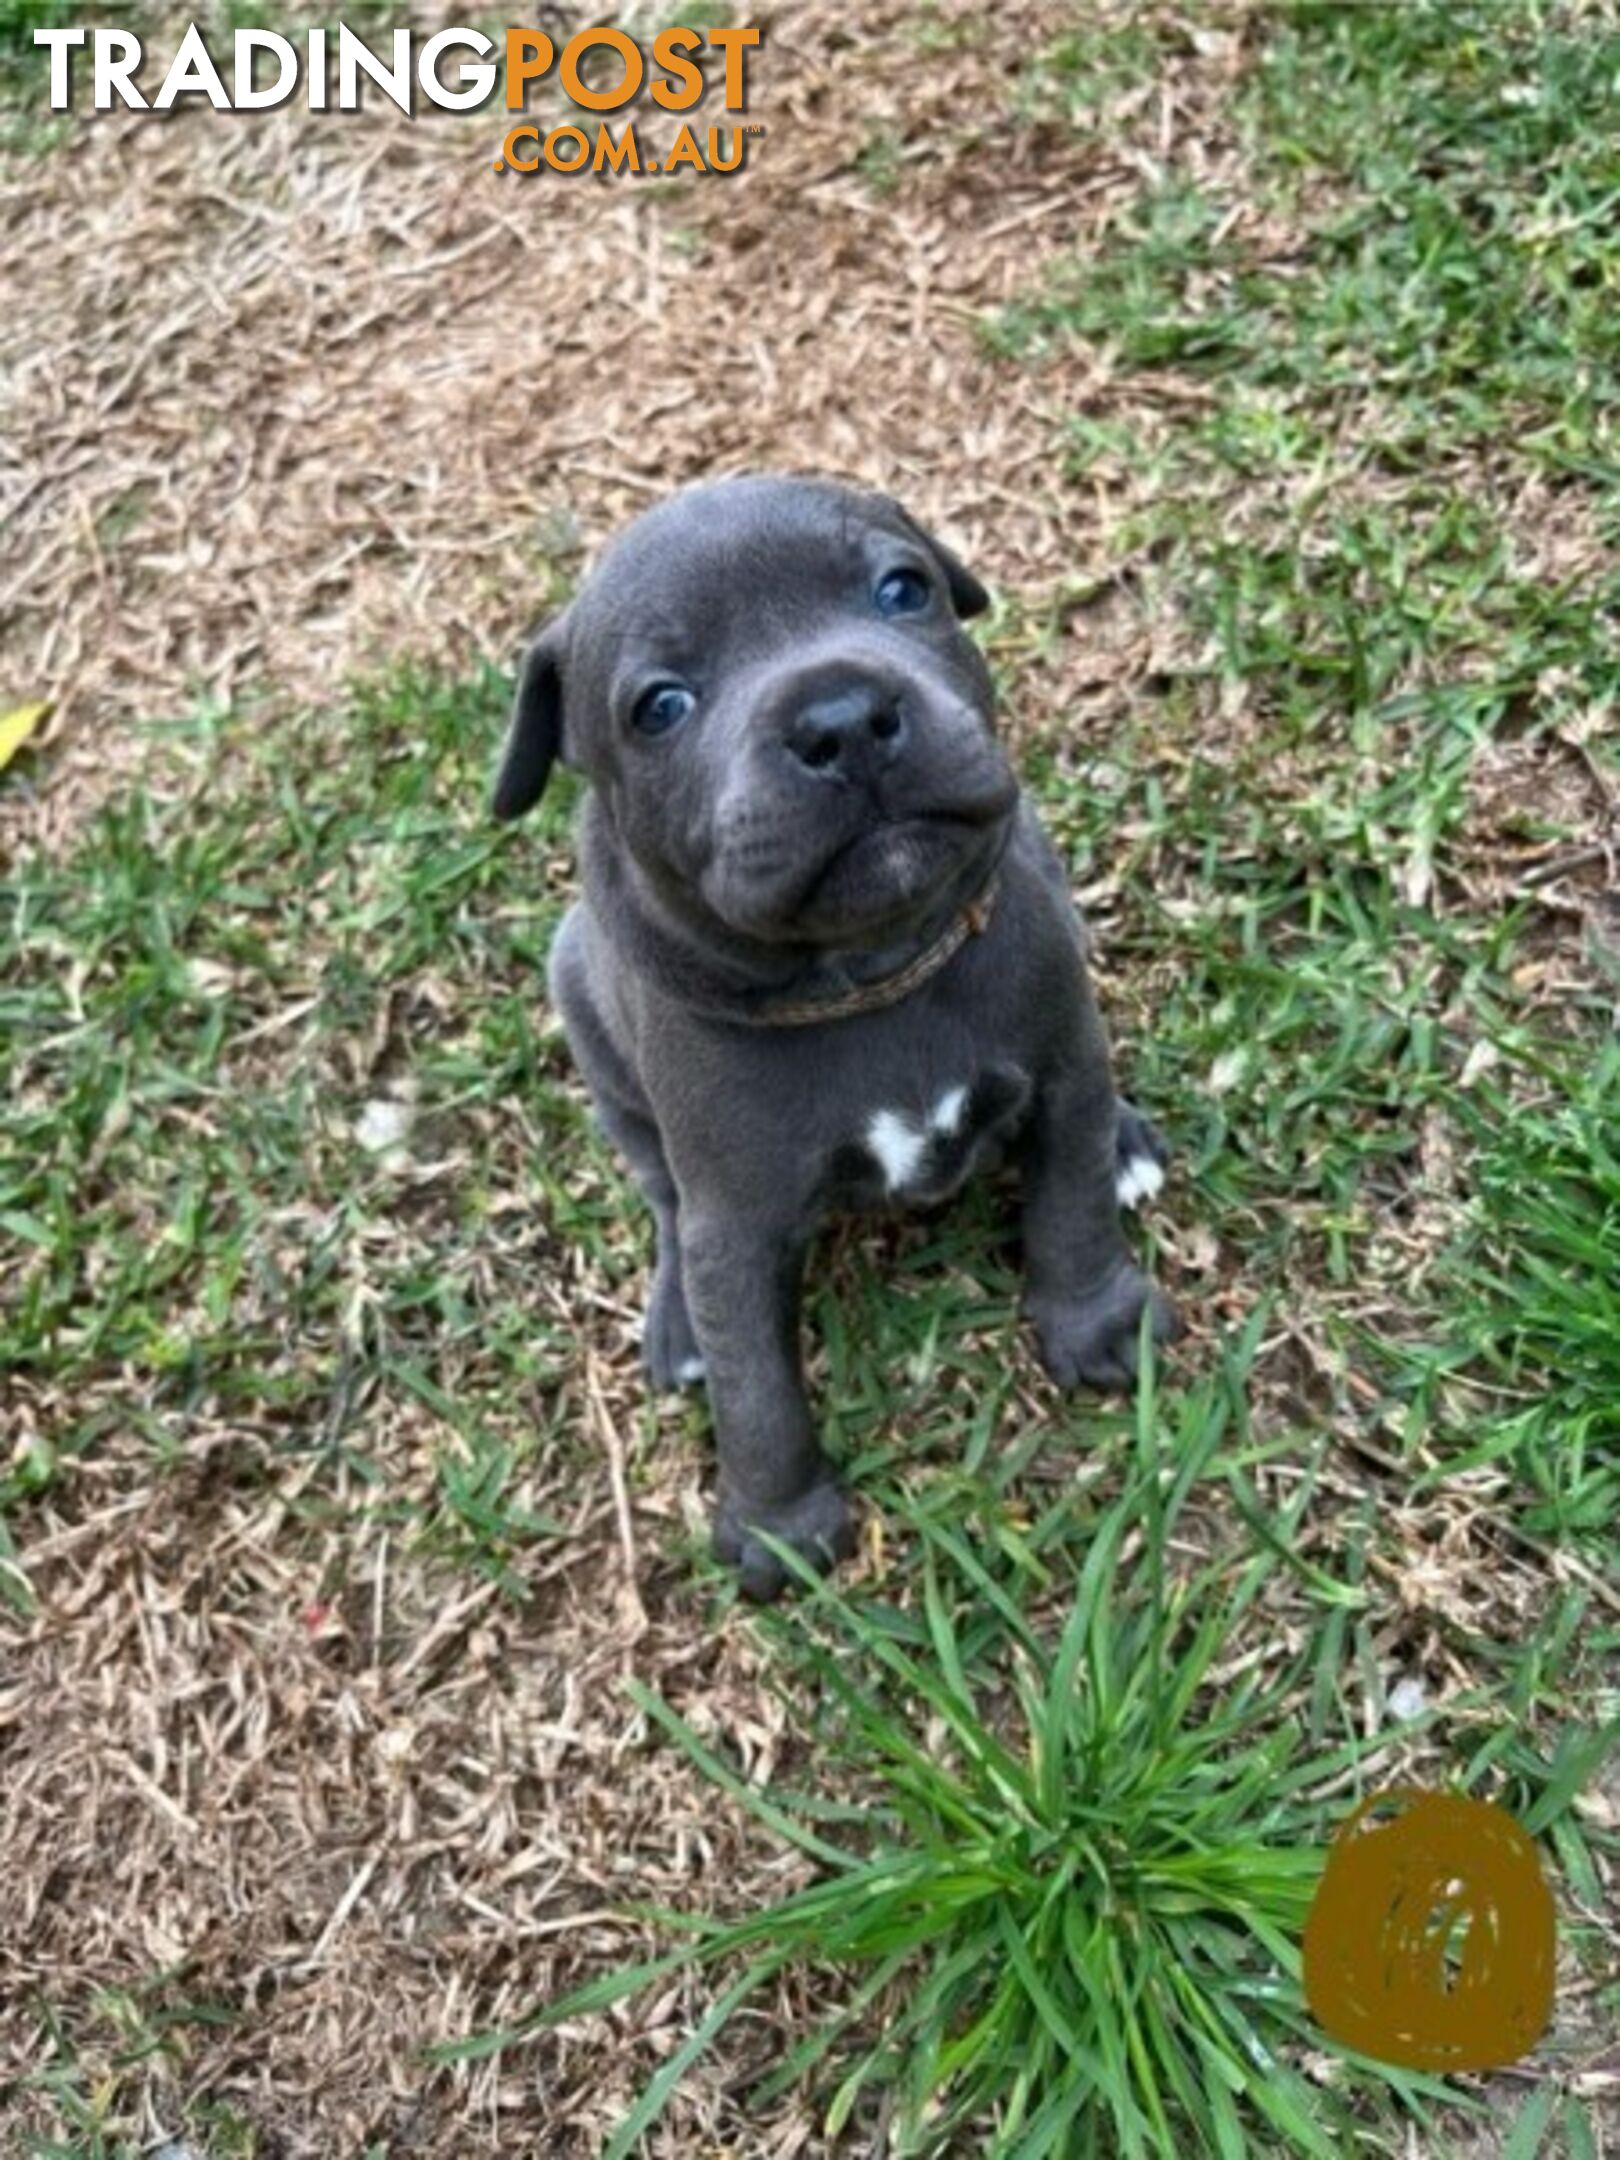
15	728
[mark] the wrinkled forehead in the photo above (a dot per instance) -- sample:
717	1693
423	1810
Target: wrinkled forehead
744	562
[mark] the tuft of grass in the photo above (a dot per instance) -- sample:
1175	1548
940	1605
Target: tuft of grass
1081	74
152	2023
1068	1890
878	159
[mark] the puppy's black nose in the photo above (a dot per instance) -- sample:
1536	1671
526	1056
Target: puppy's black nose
849	734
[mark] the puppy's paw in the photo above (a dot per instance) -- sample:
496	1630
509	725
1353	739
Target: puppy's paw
818	1525
1092	1340
669	1346
1140	1156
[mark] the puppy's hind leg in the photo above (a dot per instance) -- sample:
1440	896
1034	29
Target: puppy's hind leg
669	1343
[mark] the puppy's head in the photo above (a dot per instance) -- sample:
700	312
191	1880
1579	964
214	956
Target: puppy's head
767	681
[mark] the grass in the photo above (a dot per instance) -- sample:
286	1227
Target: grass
1535	1281
1087	1724
203	996
1332	949
1369	607
1087	1888
1072	1861
27	123
198	1005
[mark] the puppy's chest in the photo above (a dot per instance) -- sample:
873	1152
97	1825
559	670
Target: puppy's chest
914	1150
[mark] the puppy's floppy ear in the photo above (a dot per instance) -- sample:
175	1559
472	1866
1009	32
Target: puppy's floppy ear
968	596
534	739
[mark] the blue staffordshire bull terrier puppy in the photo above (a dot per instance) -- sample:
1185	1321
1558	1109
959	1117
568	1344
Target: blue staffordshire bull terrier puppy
825	957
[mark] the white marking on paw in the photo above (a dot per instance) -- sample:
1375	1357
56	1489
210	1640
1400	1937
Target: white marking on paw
946	1114
1139	1179
691	1370
1408	1699
383	1126
897	1145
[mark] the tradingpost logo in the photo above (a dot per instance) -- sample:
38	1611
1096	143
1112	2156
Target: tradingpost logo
600	71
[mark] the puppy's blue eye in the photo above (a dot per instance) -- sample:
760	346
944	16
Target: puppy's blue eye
902	592
661	708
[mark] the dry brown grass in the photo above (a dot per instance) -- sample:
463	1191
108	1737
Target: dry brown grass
294	395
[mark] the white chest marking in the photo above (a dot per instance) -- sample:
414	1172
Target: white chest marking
899	1141
898	1146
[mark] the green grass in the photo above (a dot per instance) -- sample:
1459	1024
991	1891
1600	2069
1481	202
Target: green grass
198	1003
149	2025
27	123
1453	168
1534	1284
19	19
1368	625
1088	1886
295	913
1064	1891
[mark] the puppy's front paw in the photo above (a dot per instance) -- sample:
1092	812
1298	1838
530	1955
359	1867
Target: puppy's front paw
1093	1339
818	1525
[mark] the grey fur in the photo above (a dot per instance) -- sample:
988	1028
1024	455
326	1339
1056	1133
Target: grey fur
830	805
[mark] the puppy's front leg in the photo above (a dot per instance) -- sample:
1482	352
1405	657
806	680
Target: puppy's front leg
742	1290
1084	1293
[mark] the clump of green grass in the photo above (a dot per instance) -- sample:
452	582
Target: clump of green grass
19	19
1075	1883
27	123
1091	66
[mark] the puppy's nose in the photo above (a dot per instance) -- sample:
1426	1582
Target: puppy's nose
850	734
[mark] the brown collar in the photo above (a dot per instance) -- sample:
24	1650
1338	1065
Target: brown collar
971	920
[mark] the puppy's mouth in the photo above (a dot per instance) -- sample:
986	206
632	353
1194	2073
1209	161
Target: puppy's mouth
900	841
885	872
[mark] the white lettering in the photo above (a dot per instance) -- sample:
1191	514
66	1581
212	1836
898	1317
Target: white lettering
248	97
480	78
191	71
115	69
58	41
355	58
